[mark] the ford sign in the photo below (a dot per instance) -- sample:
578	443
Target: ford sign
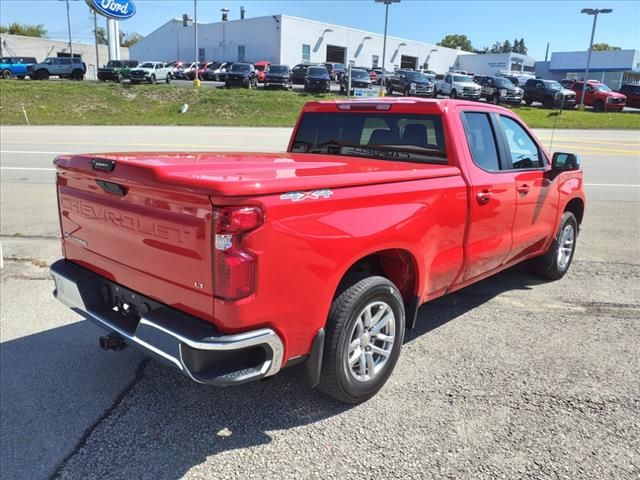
116	9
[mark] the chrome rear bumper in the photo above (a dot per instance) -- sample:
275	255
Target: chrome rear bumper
189	344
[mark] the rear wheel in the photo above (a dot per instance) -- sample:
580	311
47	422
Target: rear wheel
547	102
528	101
557	259
168	78
453	94
364	335
495	99
389	89
120	78
21	77
77	75
6	74
42	75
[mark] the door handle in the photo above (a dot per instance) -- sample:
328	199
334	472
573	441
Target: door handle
523	190
484	197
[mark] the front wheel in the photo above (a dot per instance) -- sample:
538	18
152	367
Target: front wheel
557	259
453	94
168	78
152	79
6	74
495	99
389	89
364	335
120	78
598	106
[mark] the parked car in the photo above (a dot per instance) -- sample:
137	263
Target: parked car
278	76
209	72
230	267
261	69
190	73
299	73
567	83
178	69
632	92
410	83
599	96
382	75
11	67
241	74
498	90
548	92
217	71
458	86
151	72
359	79
61	67
117	70
336	70
317	79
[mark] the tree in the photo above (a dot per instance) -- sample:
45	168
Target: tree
506	47
456	41
496	47
516	46
522	48
101	35
602	47
128	39
25	30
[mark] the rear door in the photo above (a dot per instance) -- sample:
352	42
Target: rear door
493	196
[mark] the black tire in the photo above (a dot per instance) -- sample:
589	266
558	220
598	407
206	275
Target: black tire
407	93
453	94
21	77
42	74
7	74
550	265
389	89
167	80
598	106
495	100
120	78
547	102
77	75
342	90
336	377
135	82
528	101
152	79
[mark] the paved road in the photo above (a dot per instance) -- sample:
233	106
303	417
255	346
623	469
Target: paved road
511	377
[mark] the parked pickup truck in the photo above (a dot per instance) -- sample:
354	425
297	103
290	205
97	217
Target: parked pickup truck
232	266
410	83
548	92
458	86
499	90
117	70
151	72
599	96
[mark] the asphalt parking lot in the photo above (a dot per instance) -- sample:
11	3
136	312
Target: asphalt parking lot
510	378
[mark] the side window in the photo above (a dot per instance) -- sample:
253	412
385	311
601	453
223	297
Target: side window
306	53
482	140
523	150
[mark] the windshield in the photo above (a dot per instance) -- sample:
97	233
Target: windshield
462	79
502	82
146	65
396	137
114	63
238	67
318	71
602	88
554	85
417	76
260	68
360	75
278	69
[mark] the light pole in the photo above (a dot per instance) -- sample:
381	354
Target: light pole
386	18
429	58
595	12
69	29
196	80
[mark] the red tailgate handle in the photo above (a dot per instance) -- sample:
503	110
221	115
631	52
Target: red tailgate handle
483	197
523	189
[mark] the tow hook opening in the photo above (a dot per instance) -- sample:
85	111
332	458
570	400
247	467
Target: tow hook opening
113	341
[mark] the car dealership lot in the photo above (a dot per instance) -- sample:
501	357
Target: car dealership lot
511	377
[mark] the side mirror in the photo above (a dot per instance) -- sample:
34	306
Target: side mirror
564	162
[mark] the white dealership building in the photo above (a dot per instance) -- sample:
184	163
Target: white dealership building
289	40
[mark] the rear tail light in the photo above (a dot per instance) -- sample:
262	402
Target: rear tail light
234	267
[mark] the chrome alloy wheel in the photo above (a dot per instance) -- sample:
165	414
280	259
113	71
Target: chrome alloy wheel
565	247
371	341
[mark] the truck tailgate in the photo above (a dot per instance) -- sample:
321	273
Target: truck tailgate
152	238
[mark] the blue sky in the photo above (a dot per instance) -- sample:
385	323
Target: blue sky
484	22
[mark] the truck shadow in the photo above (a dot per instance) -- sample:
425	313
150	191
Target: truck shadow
161	425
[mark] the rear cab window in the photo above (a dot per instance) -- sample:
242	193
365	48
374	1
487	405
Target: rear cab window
401	137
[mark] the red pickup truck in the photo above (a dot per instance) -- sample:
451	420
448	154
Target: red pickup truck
232	266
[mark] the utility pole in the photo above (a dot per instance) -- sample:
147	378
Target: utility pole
386	20
95	31
595	12
196	80
69	28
